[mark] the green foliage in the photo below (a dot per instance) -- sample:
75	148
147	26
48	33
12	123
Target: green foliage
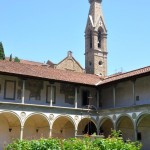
114	142
16	59
10	58
2	54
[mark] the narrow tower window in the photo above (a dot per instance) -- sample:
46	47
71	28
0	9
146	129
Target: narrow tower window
90	39
99	39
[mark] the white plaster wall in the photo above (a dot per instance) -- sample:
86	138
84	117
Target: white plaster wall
42	101
107	97
124	94
60	98
142	89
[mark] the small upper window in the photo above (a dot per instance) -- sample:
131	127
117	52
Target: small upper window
90	63
100	63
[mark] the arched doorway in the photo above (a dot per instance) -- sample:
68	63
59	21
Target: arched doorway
9	128
63	127
36	127
143	131
86	126
106	126
125	125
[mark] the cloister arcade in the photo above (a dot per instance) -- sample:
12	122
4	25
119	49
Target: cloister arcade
38	125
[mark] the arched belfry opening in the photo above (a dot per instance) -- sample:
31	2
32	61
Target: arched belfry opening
91	41
99	38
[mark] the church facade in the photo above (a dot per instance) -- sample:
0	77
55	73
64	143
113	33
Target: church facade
63	100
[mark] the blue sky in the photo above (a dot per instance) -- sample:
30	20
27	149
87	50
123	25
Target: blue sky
39	30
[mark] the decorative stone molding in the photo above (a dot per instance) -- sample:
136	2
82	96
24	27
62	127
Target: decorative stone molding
114	117
134	115
97	118
22	115
76	118
51	116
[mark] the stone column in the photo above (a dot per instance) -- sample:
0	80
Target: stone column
76	98
115	125
114	96
21	133
51	99
76	132
50	133
23	91
104	42
97	130
135	131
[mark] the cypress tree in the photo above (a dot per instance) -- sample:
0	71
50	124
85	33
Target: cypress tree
10	58
2	54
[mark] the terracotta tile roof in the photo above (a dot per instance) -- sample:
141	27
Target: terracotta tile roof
30	62
26	61
125	75
46	72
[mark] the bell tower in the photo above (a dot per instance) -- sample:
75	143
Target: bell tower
96	41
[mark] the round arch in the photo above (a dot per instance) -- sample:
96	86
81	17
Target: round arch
36	126
106	125
66	116
100	29
63	126
125	124
143	129
10	125
140	117
87	126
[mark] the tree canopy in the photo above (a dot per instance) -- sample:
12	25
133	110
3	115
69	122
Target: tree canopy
2	54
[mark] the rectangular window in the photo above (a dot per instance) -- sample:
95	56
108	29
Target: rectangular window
85	97
49	92
10	90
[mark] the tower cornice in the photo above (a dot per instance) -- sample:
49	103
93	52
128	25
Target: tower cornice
99	1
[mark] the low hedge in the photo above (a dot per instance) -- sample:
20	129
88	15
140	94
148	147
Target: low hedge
114	142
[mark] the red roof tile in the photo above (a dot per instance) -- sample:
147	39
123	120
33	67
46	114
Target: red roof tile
125	75
47	72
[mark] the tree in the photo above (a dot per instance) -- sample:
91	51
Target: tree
10	58
2	54
16	59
